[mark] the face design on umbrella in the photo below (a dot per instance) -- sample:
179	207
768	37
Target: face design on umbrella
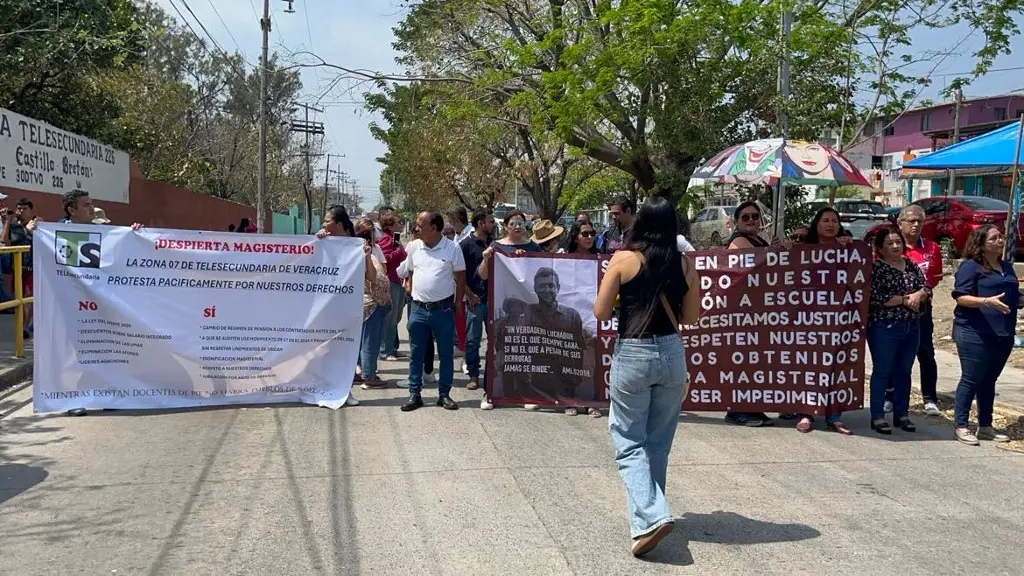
812	159
757	152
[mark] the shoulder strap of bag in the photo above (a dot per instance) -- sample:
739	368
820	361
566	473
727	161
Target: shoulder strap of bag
668	307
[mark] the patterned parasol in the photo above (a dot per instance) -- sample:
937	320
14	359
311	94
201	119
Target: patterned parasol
791	161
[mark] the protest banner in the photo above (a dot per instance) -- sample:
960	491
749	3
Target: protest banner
43	158
542	331
172	318
779	331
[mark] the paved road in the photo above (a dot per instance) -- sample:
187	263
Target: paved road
366	490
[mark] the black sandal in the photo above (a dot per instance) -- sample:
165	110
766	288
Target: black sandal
882	428
905	424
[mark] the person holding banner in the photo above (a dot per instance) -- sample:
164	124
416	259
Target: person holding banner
78	209
984	324
747	218
337	223
473	247
826	230
516	243
657	287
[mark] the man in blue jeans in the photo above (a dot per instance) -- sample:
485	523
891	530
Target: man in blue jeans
438	276
473	247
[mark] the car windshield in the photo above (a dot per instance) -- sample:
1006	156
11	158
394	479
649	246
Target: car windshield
982	203
864	207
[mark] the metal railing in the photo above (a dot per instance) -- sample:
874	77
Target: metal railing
19	300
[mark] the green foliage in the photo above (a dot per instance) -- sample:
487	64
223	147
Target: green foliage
125	73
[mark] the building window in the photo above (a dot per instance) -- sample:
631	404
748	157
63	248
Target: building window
886	163
926	121
889	130
1000	113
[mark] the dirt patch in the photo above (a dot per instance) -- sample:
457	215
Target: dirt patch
1005	420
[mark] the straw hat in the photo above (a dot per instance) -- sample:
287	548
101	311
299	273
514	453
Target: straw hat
99	216
545	230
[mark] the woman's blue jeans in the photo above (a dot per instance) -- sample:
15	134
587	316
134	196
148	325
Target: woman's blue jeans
369	344
389	343
981	362
648	380
893	346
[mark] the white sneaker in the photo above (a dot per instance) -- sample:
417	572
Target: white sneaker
930	409
465	369
429	379
351	400
486	405
530	407
402	383
888	407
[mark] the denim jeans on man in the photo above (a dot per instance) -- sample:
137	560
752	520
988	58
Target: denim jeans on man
476	316
982	359
893	345
369	344
438	320
648	380
389	343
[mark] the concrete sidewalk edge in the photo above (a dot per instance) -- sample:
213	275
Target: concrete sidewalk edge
20	370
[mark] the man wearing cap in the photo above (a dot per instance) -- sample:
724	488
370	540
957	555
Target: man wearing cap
546	235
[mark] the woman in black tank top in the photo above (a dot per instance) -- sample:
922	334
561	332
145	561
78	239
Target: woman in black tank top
748	223
657	288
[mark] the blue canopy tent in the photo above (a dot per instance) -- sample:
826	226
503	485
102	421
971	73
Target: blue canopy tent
998	148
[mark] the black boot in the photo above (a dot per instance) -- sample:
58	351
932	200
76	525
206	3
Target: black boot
447	403
414	402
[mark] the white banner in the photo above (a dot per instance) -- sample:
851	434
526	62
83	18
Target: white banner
42	158
173	318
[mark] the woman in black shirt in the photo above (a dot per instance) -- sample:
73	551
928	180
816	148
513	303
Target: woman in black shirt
898	290
658	288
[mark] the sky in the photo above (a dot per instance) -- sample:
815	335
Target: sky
357	34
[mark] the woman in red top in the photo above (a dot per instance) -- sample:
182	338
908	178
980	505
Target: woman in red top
394	255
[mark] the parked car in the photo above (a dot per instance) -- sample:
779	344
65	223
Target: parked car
949	220
855	214
712	226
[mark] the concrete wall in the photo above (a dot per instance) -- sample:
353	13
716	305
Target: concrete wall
155	204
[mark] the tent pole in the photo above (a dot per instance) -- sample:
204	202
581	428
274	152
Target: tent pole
1014	212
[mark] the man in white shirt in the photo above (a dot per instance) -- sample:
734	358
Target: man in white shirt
438	272
459	220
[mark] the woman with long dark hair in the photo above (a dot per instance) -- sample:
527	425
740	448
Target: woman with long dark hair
337	223
658	288
825	230
984	324
898	290
581	239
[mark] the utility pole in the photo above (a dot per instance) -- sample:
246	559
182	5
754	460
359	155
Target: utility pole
308	128
958	100
261	191
779	194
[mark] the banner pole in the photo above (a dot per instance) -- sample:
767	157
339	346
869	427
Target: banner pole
1013	216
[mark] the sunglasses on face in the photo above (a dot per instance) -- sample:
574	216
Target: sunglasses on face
750	217
516	224
798	237
587	234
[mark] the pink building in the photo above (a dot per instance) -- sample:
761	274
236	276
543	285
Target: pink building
931	128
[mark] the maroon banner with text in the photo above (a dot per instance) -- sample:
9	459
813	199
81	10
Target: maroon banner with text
779	331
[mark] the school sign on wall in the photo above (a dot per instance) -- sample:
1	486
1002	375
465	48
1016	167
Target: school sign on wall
42	158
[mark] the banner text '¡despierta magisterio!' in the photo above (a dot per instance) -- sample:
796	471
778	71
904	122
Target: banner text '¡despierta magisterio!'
220	246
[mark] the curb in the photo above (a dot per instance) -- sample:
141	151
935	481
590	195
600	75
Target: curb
20	371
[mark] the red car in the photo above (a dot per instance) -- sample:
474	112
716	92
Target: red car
949	220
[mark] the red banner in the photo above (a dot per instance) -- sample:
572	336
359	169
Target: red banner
779	331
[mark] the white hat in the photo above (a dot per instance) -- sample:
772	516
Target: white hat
99	216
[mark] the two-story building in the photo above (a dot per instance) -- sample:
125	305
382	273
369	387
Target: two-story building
886	143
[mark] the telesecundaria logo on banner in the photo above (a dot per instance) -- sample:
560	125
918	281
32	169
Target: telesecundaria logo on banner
78	249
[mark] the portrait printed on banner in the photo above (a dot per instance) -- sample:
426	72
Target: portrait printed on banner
544	330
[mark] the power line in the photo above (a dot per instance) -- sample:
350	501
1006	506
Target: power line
223	23
200	22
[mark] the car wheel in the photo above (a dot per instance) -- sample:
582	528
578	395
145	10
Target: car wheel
948	248
716	239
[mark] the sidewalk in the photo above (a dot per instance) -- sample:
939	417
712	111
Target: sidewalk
1009	388
12	370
